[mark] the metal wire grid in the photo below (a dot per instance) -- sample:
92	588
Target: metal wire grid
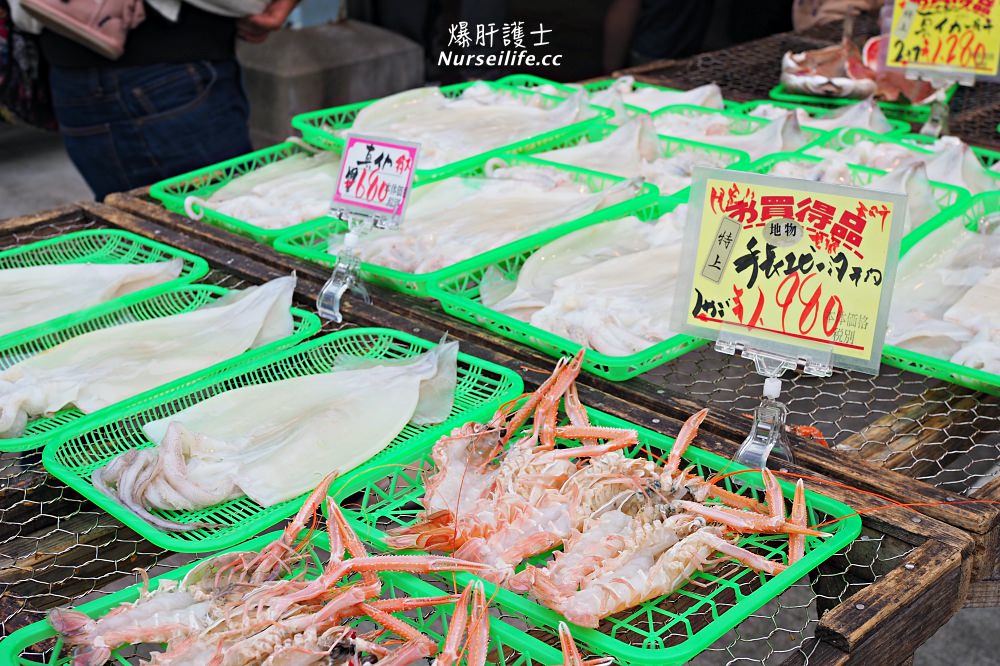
939	433
56	549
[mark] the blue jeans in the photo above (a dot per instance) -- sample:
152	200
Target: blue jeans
125	127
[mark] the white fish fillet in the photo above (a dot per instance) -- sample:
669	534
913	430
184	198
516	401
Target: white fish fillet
651	99
567	255
275	441
955	163
945	299
452	129
457	218
866	114
36	294
97	369
633	150
781	134
282	194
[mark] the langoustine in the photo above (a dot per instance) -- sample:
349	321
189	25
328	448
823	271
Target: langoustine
623	523
243	608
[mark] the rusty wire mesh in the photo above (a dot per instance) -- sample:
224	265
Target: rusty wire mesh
57	549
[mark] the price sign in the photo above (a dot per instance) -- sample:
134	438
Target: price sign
790	263
955	39
375	177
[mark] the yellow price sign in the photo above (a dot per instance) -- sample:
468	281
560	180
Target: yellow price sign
793	262
946	36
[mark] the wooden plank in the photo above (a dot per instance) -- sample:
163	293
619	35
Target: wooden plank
983	593
818	653
887	621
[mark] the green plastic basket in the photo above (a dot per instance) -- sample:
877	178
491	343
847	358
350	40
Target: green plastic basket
73	457
19	346
102	246
669	147
898	126
966	214
325	128
458	293
911	113
311	243
200	184
915	142
945	195
663	631
739	123
508	646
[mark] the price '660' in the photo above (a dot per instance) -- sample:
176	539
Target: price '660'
370	186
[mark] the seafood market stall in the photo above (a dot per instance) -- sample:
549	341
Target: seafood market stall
511	406
873	602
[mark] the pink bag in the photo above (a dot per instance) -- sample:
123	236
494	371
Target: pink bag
100	25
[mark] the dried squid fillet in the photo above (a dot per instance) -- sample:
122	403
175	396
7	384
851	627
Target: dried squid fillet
97	369
36	294
273	441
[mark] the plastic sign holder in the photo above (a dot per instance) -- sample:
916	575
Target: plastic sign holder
791	274
376	175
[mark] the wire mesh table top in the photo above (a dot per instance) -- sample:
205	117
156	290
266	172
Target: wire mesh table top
57	549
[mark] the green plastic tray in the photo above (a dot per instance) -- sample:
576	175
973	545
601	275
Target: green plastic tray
508	646
945	195
898	126
664	631
323	128
739	123
458	293
202	183
72	458
911	113
967	214
102	246
18	346
914	142
312	242
669	147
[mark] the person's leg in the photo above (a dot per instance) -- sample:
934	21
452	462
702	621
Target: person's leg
132	126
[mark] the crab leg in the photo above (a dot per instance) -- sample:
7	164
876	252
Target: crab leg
571	655
405	604
745	521
752	560
684	438
479	632
576	411
521	415
416	647
548	408
617	439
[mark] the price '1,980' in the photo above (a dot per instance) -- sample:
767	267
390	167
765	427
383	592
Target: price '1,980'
791	297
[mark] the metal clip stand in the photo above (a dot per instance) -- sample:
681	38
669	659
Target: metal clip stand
345	272
937	124
767	437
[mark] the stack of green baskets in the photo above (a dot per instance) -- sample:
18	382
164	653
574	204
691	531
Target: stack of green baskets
967	214
898	126
311	243
72	458
165	301
326	128
459	295
669	630
508	646
188	193
669	147
911	113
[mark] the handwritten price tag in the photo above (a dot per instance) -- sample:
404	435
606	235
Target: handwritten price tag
949	37
793	262
375	177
